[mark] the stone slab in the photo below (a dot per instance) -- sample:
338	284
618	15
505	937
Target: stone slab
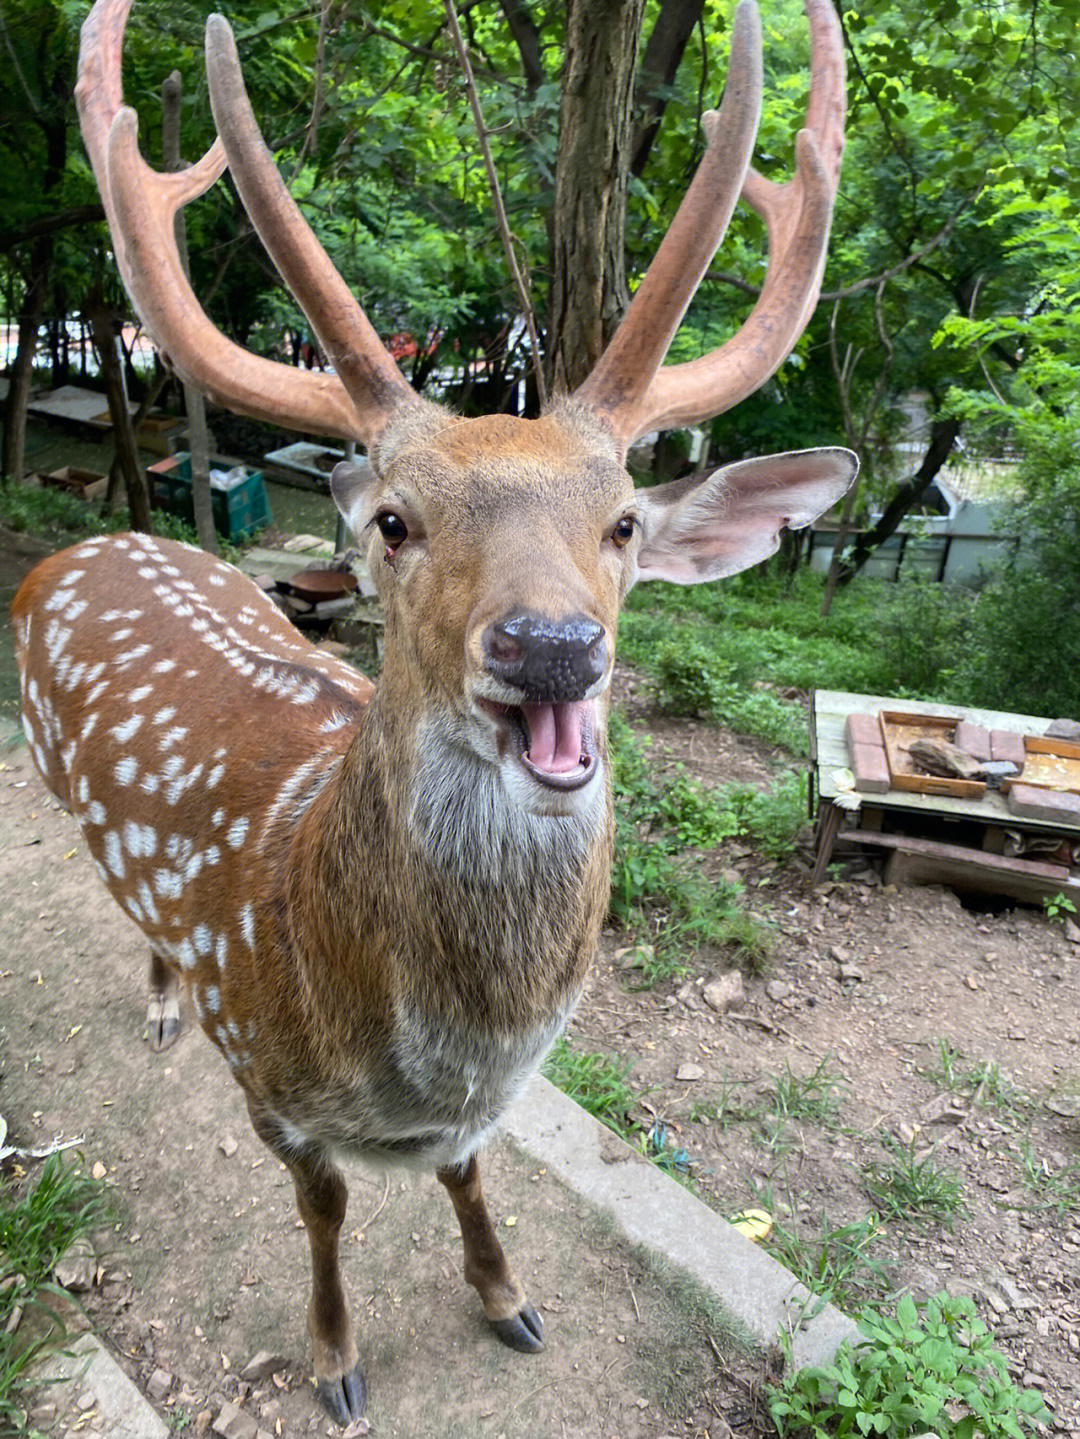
653	1210
120	1410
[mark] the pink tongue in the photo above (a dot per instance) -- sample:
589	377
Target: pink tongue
555	735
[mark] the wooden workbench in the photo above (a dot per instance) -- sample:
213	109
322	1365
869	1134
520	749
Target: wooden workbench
909	827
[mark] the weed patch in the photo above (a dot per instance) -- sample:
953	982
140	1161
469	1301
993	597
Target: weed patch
37	1228
932	1367
907	1185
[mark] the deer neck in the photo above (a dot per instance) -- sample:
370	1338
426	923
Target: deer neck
417	872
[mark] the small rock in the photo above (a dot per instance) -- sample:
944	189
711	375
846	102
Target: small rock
778	989
838	953
228	1145
687	994
262	1365
233	1423
689	1071
203	1420
77	1268
1063	729
1072	930
724	993
158	1385
99	1171
851	974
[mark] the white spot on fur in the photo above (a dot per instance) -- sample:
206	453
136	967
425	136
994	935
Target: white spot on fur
204	940
95	812
123	732
237	832
126	769
221	949
247	926
114	857
212	995
168	883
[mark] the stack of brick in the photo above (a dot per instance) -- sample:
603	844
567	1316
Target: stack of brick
866	746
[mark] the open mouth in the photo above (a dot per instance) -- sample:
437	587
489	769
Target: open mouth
555	742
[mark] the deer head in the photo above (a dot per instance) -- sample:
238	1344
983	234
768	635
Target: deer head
502	548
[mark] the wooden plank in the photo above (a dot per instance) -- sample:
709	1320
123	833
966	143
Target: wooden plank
926	861
938	849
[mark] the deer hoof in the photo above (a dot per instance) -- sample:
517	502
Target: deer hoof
162	1021
344	1398
523	1331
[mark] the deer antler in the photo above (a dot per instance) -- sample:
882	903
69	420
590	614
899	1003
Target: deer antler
630	385
141	205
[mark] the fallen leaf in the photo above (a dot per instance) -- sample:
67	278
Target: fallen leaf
71	853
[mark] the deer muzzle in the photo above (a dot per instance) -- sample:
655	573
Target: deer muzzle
555	666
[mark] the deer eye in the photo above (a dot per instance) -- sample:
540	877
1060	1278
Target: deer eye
623	532
392	528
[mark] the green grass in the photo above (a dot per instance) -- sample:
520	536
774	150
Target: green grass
38	1225
658	892
600	1083
837	1263
1053	1187
63	518
904	1186
982	1083
813	1098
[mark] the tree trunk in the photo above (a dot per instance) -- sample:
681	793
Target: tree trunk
589	292
659	66
943	435
138	498
202	500
22	372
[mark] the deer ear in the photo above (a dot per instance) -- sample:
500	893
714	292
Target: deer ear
351	484
704	527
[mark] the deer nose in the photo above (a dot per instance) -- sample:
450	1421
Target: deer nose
549	661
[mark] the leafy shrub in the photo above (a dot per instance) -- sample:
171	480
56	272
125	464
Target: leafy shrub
933	1367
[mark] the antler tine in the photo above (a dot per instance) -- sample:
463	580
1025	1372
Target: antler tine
373	380
620	380
797	216
141	205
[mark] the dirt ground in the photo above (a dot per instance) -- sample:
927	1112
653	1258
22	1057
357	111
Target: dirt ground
902	1001
952	1032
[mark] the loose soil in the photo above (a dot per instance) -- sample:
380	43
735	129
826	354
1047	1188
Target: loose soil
866	985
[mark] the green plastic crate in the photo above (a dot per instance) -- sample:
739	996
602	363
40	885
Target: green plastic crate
238	511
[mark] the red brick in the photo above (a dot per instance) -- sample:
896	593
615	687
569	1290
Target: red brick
871	768
1007	744
862	729
973	739
1027	801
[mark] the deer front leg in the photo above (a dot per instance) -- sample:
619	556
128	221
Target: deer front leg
508	1311
321	1198
163	1009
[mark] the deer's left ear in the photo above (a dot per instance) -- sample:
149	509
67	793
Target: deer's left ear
351	485
704	527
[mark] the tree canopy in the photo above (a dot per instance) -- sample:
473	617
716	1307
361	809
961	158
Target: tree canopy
952	269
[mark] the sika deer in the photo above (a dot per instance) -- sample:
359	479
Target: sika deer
383	900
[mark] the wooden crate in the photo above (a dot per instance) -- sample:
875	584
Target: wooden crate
898	729
87	484
1052	764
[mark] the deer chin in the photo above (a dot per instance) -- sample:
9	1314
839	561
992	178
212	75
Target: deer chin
553	742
